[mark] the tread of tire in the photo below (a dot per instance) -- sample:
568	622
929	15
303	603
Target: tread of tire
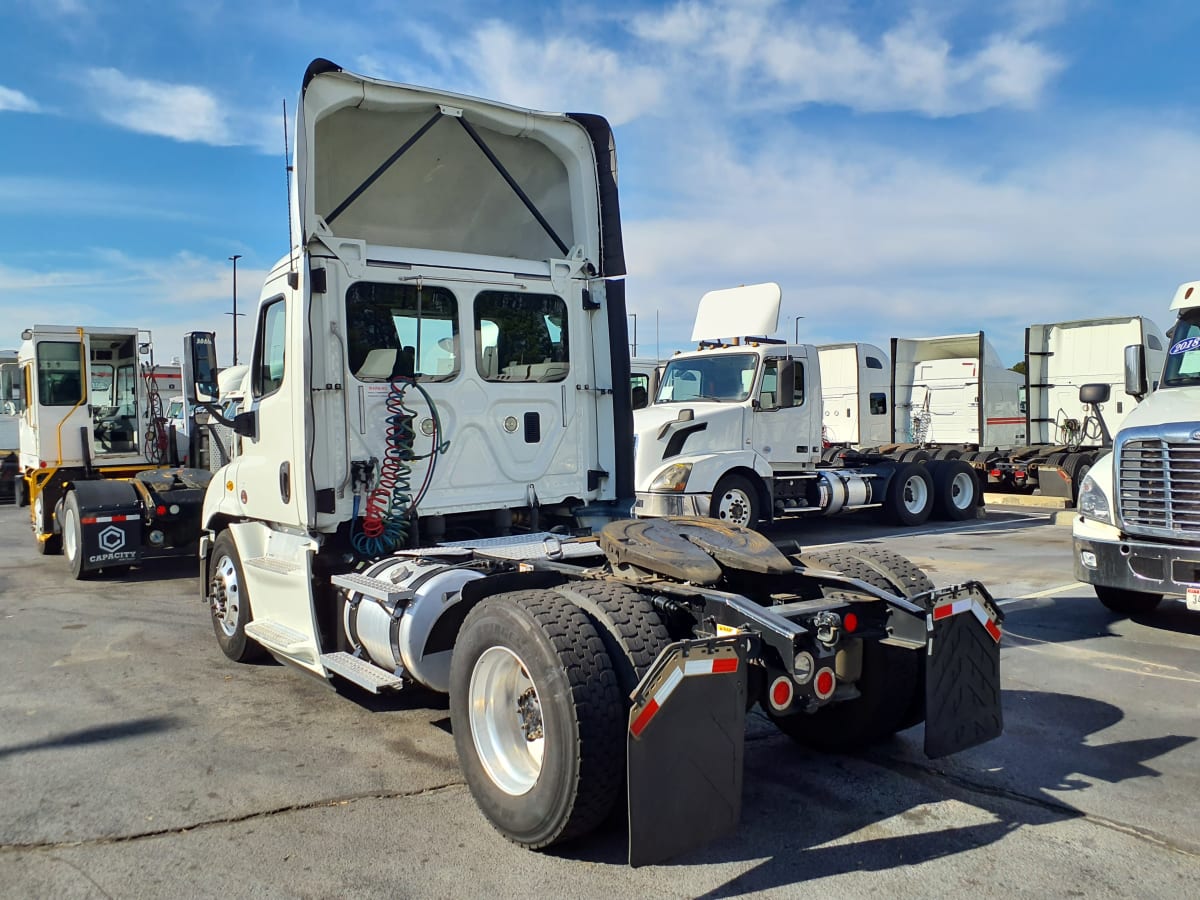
596	699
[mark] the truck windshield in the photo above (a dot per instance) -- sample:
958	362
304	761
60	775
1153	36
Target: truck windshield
726	377
1183	359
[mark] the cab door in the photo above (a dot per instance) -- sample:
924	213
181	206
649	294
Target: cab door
786	420
270	477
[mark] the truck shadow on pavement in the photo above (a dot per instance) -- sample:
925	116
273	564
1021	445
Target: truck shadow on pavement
99	734
815	816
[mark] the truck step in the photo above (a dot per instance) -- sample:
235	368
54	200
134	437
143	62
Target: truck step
274	636
272	564
371	587
361	672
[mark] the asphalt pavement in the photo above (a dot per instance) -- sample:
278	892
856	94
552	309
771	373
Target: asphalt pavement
136	761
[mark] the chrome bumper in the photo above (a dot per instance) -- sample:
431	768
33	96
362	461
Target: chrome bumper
1137	565
656	506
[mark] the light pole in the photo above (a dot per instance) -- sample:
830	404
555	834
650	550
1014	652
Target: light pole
634	317
235	313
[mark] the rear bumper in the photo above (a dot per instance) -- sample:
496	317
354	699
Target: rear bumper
1119	562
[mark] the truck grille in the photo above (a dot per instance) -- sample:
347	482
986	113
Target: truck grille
1158	488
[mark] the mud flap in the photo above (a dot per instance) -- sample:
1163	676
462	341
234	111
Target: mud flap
962	672
110	522
686	736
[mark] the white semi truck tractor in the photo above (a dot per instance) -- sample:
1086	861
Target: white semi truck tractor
1137	535
737	433
435	458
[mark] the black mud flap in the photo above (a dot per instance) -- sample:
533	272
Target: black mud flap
962	671
110	519
687	731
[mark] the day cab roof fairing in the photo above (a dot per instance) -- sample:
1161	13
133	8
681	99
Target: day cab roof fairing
402	166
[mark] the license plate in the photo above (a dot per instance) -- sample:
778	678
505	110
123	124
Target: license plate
1193	598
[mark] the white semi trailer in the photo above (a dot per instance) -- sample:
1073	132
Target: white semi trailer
1137	534
443	353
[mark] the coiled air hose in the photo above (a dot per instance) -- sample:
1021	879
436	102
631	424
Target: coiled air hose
391	506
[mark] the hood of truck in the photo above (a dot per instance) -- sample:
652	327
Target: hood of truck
408	167
1165	406
714	427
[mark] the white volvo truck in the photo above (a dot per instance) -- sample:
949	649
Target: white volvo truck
440	373
736	433
1137	535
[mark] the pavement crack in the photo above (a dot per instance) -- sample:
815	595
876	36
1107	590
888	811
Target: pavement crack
326	803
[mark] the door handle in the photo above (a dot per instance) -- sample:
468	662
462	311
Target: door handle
285	482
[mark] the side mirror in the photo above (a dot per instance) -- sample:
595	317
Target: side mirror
200	366
785	389
1135	371
1094	393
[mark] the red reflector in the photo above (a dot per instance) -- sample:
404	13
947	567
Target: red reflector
87	520
993	629
640	723
781	693
942	612
850	622
995	473
41	464
161	510
825	683
724	665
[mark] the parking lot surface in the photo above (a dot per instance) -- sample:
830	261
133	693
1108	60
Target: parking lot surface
136	761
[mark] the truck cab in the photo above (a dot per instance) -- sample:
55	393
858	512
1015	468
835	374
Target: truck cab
1137	535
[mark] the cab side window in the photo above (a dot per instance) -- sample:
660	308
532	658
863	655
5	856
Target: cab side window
270	348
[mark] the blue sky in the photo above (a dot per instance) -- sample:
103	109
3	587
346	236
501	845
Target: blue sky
901	169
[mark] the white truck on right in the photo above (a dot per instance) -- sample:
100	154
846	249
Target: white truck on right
1135	537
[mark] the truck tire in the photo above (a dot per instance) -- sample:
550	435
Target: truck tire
21	486
1129	603
229	601
52	545
538	719
1077	465
955	490
72	537
735	501
630	627
909	497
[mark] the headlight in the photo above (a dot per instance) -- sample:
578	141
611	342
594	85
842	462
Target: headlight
674	478
1092	503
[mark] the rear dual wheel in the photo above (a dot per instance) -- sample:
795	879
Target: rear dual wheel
538	717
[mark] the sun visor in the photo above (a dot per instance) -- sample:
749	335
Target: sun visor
408	167
750	310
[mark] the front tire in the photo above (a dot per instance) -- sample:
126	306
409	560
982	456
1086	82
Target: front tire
229	601
1128	603
735	502
537	716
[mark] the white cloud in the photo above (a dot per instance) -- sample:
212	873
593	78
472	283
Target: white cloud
767	54
12	100
179	111
870	243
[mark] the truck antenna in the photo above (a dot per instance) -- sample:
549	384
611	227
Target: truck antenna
287	168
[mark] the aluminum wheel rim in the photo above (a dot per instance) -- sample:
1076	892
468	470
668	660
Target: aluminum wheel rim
916	494
226	596
960	490
505	717
734	506
70	544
